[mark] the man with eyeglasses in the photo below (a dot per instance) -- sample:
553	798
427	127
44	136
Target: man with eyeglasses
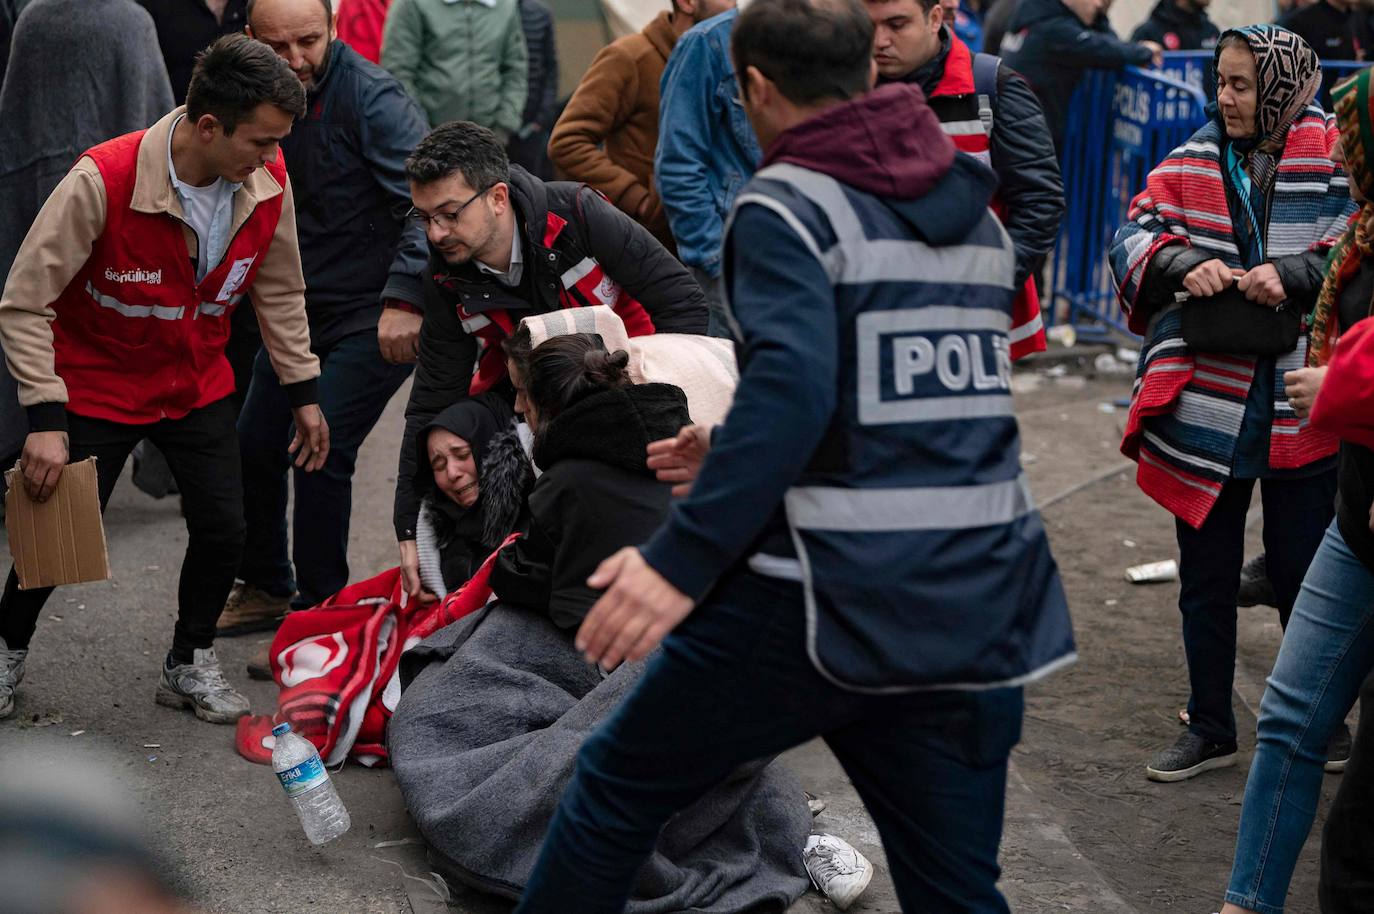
504	245
363	264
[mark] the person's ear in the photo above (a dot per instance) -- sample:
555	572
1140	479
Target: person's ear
500	197
756	87
872	73
207	127
936	17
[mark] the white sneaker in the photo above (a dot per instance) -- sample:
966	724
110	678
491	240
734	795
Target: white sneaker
11	672
837	870
200	685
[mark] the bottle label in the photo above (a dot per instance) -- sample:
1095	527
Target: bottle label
304	777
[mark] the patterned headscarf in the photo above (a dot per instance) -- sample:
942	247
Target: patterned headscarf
1355	118
1287	77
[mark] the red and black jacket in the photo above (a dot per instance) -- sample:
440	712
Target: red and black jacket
579	250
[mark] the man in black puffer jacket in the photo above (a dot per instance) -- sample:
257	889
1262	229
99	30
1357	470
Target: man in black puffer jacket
1051	43
505	245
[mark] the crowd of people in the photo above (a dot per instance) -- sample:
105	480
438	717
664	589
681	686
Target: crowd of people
709	446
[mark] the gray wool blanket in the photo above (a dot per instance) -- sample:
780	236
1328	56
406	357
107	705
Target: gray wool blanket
494	710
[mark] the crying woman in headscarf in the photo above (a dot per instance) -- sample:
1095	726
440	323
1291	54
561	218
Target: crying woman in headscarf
475	476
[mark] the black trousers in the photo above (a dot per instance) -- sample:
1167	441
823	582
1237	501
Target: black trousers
1296	515
202	450
1347	881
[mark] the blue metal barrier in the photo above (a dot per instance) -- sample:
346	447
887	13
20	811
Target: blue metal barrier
1120	126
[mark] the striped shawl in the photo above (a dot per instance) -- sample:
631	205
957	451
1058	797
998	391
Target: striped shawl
1186	406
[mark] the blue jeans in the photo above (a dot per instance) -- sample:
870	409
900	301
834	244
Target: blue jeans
1326	653
1296	511
355	387
734	684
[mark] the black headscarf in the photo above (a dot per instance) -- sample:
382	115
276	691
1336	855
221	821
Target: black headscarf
477	420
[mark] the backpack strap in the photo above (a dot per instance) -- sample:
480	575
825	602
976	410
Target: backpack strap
986	69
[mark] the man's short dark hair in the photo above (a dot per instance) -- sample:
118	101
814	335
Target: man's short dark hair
235	75
328	13
810	49
459	146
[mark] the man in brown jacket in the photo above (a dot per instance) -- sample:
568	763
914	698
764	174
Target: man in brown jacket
114	320
608	131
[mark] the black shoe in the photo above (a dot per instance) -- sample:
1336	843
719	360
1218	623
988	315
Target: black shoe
1338	750
1255	589
1188	757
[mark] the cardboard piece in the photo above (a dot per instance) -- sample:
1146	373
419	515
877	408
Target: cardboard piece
62	540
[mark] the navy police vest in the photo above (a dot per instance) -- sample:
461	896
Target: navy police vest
922	558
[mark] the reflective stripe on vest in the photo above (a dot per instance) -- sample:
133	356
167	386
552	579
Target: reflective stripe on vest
215	309
924	508
856	259
970	124
161	312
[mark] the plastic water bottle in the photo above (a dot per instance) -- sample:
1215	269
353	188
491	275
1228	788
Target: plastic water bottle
306	781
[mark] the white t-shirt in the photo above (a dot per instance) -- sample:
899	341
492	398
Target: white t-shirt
207	210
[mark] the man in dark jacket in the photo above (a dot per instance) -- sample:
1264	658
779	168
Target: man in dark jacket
504	245
187	27
1051	43
911	45
838	567
346	159
1179	25
529	147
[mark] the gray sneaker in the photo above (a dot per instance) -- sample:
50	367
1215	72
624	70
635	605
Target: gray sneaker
11	673
201	686
1188	757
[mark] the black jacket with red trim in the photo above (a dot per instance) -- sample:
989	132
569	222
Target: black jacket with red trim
570	234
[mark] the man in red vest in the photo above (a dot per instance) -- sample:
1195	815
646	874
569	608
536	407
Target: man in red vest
114	321
992	114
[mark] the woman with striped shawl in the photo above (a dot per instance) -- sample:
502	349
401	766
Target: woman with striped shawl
1251	199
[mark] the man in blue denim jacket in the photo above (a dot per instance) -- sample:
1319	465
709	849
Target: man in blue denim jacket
706	149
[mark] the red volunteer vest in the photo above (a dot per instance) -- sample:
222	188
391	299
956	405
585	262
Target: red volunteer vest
136	338
970	135
585	284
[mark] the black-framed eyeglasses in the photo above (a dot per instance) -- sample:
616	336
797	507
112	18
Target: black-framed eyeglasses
445	221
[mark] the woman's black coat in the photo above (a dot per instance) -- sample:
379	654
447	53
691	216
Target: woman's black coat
595	496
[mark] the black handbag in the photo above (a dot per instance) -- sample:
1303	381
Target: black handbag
1230	323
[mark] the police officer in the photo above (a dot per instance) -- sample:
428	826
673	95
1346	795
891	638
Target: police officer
858	557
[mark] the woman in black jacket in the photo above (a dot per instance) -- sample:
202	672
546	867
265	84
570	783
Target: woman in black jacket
591	429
